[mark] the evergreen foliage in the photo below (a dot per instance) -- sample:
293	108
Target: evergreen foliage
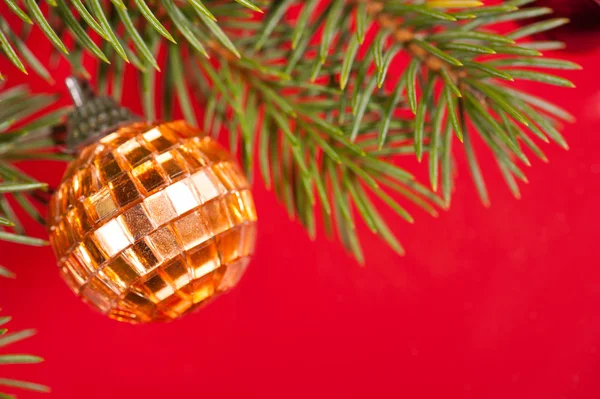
305	93
6	339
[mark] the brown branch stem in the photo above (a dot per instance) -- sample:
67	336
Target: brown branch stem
405	37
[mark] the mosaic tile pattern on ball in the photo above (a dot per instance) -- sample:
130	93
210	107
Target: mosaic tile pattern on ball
152	222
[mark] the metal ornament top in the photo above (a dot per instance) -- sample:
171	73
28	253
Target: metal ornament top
93	117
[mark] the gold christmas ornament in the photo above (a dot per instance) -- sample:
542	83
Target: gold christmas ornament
152	220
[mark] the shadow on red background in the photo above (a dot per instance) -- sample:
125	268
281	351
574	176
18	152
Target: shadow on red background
488	303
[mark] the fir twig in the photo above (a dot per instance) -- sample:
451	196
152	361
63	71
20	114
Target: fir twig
21	139
314	97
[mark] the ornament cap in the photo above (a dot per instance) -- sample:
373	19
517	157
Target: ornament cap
94	116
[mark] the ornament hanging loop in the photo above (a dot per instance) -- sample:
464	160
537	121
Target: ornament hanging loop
80	90
93	116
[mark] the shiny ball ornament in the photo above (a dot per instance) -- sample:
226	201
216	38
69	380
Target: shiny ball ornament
152	221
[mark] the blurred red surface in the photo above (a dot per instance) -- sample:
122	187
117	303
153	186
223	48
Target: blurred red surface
582	32
488	303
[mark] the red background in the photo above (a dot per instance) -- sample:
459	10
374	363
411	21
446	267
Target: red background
488	303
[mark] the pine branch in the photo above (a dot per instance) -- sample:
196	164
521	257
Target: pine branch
454	85
304	150
14	359
17	137
313	97
23	138
456	62
189	21
7	339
